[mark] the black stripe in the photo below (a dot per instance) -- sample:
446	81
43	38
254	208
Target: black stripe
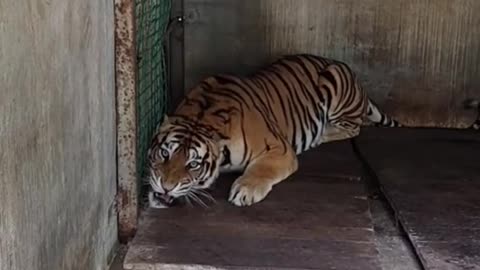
280	97
246	90
245	144
307	93
290	100
327	98
304	119
262	109
270	98
226	155
263	86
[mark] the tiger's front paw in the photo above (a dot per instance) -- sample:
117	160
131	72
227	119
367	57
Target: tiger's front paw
245	193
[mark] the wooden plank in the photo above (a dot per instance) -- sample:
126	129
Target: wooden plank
403	50
332	160
432	179
259	253
314	220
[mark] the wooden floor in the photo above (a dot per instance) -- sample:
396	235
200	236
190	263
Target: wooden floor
432	179
320	218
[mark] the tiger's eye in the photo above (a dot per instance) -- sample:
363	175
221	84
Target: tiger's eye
164	154
194	165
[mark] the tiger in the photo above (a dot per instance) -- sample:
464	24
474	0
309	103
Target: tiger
473	104
257	125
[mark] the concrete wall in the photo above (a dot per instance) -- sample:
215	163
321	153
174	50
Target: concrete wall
418	59
57	134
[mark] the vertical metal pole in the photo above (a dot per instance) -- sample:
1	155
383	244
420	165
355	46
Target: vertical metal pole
126	89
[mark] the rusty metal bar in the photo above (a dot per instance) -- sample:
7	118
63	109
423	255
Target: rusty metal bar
125	76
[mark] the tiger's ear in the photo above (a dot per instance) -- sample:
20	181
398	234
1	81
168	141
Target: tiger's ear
166	120
163	124
211	80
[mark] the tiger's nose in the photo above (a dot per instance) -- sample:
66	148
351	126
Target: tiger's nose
168	186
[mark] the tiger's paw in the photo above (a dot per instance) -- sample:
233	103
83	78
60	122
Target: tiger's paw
245	193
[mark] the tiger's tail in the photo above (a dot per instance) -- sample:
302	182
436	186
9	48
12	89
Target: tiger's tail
379	118
473	104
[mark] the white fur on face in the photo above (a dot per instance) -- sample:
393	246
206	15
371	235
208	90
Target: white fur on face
156	182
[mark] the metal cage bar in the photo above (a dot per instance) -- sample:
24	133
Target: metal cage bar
126	89
141	86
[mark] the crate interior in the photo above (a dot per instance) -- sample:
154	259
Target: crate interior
396	198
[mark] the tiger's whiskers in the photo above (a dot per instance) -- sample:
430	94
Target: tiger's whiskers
204	194
196	199
187	199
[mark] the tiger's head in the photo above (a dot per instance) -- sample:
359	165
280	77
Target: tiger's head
183	159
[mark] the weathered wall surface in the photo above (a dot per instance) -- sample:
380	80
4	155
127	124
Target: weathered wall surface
57	134
418	59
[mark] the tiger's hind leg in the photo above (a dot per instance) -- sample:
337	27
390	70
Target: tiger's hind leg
340	130
258	179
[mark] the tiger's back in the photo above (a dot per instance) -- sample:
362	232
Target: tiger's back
307	95
305	99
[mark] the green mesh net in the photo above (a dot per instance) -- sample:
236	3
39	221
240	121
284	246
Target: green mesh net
152	17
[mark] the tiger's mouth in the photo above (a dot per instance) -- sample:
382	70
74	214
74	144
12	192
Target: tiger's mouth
159	200
164	198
